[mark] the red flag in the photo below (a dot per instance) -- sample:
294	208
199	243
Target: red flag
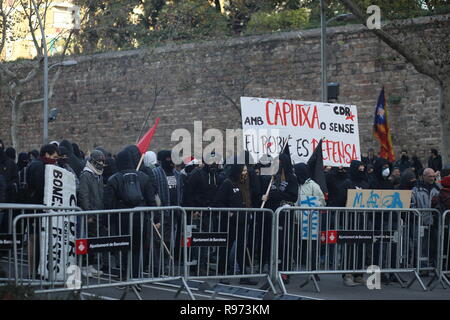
144	143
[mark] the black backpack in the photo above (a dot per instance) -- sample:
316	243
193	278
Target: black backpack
132	193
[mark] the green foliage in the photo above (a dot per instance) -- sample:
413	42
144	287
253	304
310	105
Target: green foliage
189	19
277	21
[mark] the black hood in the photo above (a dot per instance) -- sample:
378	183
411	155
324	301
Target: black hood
405	179
66	144
379	163
302	172
11	153
285	163
77	151
124	161
135	154
353	172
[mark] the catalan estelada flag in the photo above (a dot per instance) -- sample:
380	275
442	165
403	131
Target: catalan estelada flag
381	128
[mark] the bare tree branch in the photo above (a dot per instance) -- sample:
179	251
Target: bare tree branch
421	66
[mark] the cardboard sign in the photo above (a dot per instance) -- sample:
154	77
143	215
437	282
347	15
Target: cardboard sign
59	191
268	123
309	201
359	198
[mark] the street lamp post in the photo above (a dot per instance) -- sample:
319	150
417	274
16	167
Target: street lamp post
46	71
323	47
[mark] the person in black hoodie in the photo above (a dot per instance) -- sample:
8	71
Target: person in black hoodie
357	179
234	192
284	190
22	160
115	198
8	170
74	162
382	171
435	160
203	183
334	178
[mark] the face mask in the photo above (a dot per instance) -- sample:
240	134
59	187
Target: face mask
48	160
98	165
386	173
62	162
167	165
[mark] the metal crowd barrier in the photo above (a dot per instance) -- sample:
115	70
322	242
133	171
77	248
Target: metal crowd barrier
8	211
122	248
131	247
314	241
444	251
229	244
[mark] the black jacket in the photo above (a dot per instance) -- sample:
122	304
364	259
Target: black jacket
9	170
36	181
229	196
435	163
113	192
90	195
201	188
356	180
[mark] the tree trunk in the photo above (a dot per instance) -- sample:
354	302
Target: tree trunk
445	120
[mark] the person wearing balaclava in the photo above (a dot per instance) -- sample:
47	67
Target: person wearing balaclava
75	163
62	162
110	167
8	170
408	180
404	162
22	160
203	183
90	197
168	180
10	179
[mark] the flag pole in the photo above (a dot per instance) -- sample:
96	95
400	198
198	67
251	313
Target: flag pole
273	177
140	162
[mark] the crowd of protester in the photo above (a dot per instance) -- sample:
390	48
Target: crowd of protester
102	180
